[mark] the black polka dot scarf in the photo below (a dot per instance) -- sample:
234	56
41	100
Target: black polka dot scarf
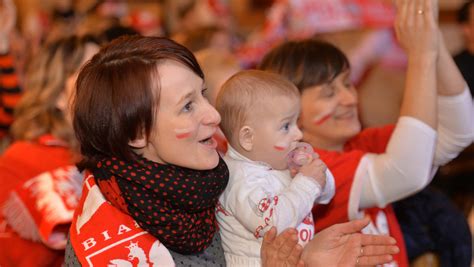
174	204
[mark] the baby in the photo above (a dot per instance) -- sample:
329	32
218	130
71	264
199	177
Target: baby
259	113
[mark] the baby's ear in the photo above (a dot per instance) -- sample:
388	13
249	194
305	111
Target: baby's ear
246	138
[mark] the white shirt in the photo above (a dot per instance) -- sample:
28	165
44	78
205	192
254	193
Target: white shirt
257	198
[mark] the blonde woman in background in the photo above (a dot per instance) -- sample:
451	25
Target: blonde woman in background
39	184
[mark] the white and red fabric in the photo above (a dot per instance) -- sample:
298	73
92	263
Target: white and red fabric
102	235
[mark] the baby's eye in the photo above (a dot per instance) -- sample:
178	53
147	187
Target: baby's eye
204	92
286	126
188	107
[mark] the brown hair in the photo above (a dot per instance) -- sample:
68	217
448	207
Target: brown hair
115	102
246	91
36	114
463	12
306	63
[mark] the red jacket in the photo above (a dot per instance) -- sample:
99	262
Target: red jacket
19	163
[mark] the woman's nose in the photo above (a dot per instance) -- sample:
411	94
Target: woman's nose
348	96
210	115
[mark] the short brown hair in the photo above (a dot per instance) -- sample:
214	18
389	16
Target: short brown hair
244	92
115	102
306	63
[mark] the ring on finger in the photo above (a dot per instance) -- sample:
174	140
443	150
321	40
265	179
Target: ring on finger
420	11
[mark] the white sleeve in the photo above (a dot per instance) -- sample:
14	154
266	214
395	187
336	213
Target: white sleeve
455	126
402	170
329	189
257	208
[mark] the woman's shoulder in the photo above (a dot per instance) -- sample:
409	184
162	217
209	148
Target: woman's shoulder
373	139
336	158
43	144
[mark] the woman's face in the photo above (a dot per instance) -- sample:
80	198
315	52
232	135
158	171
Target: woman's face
184	123
65	98
329	113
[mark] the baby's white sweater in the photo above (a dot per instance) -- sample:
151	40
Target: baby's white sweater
257	198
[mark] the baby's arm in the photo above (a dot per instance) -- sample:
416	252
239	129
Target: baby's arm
258	205
316	169
303	159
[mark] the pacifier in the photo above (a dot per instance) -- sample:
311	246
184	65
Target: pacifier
302	154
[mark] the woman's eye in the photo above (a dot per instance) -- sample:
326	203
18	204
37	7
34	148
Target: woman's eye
348	84
328	91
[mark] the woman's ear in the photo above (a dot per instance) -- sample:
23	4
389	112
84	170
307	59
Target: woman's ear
246	138
139	142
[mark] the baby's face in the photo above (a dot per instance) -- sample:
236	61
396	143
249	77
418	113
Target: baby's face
275	130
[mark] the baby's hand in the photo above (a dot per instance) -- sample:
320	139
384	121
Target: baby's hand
315	169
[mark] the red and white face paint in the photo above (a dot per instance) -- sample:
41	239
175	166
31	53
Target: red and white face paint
282	146
322	118
183	133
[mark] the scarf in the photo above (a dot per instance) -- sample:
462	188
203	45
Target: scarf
174	204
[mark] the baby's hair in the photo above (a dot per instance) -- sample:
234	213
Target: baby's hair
244	93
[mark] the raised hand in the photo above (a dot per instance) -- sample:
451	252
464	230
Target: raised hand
416	26
344	245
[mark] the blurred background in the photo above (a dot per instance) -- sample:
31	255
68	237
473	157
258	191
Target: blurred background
247	29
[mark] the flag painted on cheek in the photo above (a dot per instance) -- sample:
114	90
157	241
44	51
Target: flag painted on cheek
322	119
279	148
282	146
182	133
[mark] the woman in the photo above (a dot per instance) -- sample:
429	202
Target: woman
10	92
39	184
145	132
376	167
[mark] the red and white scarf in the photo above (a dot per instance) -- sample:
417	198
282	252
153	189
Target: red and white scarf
42	208
103	235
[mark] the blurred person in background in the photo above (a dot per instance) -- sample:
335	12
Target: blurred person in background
39	183
9	83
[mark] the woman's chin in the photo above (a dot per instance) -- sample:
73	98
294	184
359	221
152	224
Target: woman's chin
207	162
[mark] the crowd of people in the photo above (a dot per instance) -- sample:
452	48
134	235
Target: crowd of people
202	148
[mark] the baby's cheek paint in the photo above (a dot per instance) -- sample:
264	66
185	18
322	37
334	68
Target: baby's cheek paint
281	146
